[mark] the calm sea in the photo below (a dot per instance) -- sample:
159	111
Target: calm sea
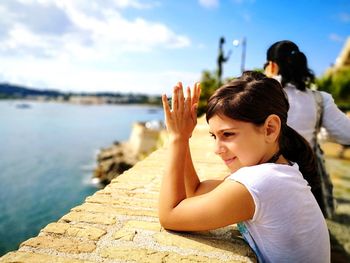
47	154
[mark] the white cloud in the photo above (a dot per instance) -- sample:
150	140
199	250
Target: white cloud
209	3
58	74
101	29
134	4
94	4
84	51
336	38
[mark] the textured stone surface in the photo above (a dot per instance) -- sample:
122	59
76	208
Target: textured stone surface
120	223
96	218
137	225
152	256
60	244
27	257
92	233
203	244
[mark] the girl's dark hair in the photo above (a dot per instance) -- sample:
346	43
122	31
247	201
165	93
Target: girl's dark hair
252	98
292	64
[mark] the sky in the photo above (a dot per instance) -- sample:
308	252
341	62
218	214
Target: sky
147	46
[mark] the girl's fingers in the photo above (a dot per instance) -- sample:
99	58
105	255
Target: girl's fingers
166	107
188	101
174	99
196	93
194	113
180	98
180	103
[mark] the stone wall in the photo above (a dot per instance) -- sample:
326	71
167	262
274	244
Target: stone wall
119	157
120	222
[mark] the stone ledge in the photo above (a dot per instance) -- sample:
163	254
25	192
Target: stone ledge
120	223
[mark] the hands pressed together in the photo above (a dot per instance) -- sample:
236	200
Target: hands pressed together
181	119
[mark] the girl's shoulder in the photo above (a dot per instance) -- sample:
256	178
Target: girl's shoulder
267	168
263	175
267	184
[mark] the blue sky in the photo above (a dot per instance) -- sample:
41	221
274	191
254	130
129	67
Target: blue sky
146	46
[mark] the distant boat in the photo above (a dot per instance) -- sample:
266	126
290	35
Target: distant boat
23	106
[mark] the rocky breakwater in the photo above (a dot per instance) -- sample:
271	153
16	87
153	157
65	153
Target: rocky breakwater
145	137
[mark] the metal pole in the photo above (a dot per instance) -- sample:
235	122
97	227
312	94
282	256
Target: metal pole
244	44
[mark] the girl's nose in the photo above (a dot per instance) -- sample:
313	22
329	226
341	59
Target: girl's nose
219	148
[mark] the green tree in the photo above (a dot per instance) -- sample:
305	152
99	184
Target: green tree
338	84
341	82
209	84
324	83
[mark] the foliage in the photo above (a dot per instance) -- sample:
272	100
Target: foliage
337	84
209	84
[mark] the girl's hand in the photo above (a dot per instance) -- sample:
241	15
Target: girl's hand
181	119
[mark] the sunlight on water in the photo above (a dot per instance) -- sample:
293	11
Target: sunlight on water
48	152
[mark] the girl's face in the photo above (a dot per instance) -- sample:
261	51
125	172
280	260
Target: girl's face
238	143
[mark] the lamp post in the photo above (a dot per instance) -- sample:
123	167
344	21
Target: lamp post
243	43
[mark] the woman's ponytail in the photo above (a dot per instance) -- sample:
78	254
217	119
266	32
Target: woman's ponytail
292	64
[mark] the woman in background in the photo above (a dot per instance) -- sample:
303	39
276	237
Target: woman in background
309	109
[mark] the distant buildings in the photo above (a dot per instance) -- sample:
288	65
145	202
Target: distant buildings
8	91
343	60
87	100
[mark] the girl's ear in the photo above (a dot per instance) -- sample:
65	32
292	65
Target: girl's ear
272	128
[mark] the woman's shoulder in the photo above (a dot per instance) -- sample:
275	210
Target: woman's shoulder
293	92
327	97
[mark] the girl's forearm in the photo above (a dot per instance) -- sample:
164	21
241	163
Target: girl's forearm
191	178
173	190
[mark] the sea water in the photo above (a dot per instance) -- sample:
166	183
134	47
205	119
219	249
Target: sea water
47	156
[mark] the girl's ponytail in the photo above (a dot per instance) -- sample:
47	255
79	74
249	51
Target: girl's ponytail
295	148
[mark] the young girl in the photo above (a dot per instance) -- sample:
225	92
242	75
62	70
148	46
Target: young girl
266	193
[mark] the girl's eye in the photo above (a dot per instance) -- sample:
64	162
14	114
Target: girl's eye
213	136
228	134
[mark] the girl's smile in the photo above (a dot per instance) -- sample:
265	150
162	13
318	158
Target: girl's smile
229	161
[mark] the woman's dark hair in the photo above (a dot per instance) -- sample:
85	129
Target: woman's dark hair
292	64
252	98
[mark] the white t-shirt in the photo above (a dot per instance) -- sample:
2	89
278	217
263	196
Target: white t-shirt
302	115
288	225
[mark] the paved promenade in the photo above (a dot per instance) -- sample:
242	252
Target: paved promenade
120	222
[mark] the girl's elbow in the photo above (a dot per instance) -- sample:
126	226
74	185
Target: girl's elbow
163	223
165	220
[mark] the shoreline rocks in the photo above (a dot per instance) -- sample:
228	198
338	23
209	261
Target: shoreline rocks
145	137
